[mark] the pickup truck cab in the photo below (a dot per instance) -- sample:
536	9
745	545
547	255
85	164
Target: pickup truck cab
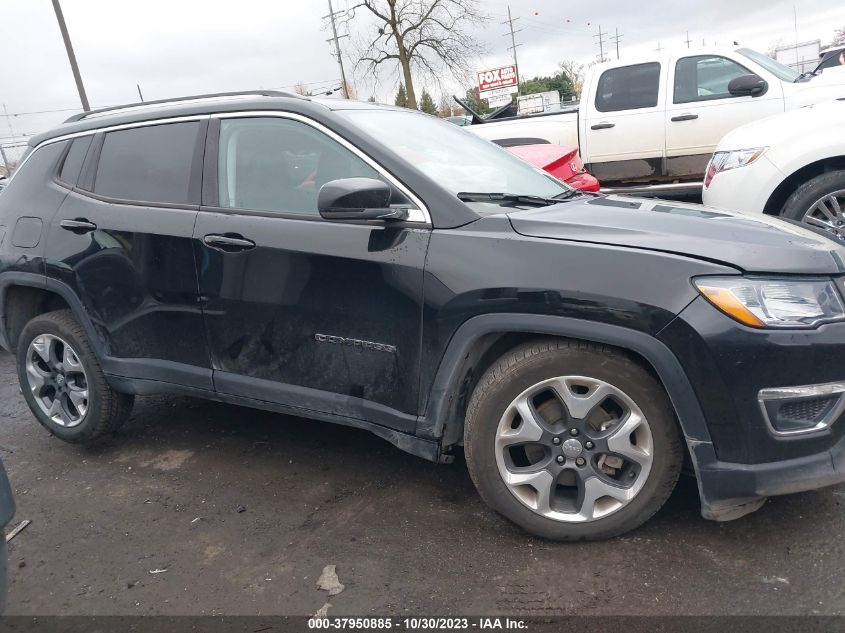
654	122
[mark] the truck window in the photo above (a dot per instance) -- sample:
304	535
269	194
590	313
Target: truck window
705	77
628	88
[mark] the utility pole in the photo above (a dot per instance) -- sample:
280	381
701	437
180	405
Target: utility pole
616	39
71	57
687	40
138	86
659	47
336	41
600	37
513	45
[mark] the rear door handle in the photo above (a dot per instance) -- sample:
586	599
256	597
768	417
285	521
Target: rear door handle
685	117
230	243
602	126
80	226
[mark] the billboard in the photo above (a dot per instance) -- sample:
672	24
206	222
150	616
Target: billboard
495	78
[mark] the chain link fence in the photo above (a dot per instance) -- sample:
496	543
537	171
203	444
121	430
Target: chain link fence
10	156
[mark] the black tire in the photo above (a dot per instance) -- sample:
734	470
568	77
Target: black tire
107	409
535	362
809	193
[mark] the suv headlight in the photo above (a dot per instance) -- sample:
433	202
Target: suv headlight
774	303
723	161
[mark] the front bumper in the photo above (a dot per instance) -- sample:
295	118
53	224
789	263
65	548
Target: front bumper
741	459
729	491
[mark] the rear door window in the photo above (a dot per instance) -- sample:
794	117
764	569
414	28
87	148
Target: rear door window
148	164
628	88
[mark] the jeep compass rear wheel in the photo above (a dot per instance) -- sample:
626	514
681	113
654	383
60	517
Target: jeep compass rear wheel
63	382
572	441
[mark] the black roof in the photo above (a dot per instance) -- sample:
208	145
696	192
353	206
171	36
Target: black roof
198	105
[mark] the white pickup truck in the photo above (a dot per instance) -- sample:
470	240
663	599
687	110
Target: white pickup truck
652	124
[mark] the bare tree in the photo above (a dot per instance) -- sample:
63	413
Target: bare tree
444	106
418	35
301	89
574	72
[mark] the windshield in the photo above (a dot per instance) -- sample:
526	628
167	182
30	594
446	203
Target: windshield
456	159
784	73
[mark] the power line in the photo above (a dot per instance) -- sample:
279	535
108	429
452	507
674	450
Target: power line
336	41
58	110
513	45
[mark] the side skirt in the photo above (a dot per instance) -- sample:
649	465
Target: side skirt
426	449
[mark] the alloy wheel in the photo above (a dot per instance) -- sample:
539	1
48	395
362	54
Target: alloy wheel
574	449
828	214
57	380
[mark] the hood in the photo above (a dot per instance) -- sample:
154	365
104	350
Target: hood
829	84
757	244
792	124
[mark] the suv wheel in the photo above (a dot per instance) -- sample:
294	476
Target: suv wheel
63	382
820	202
572	441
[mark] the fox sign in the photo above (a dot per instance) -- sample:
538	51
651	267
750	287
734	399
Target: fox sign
503	77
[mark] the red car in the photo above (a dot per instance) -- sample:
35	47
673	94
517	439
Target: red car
560	161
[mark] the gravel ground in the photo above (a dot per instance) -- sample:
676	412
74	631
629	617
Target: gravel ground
203	508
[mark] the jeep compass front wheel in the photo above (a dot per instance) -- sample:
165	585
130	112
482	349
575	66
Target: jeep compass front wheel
63	383
572	441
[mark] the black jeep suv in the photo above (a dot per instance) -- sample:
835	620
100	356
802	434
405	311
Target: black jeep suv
379	268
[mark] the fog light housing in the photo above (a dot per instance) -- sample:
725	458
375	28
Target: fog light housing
790	411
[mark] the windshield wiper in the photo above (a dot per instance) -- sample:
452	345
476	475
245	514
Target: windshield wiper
570	193
515	198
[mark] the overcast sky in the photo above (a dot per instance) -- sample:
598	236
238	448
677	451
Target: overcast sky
179	47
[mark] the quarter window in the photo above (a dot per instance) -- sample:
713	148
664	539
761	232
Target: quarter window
705	77
275	164
74	159
628	88
148	164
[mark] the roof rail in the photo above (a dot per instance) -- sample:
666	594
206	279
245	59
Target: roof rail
257	93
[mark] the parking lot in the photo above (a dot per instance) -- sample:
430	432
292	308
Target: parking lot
239	511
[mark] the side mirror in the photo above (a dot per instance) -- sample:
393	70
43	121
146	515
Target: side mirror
358	199
748	86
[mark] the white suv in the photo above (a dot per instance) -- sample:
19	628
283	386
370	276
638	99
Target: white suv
790	164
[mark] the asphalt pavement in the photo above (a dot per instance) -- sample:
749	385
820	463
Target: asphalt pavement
200	508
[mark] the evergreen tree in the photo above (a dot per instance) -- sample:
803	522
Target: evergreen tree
427	103
401	96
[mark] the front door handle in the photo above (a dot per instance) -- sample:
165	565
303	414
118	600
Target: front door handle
602	126
80	226
685	117
230	242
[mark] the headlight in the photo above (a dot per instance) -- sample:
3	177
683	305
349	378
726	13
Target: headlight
723	161
780	303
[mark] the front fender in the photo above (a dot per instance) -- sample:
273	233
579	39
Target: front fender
441	418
